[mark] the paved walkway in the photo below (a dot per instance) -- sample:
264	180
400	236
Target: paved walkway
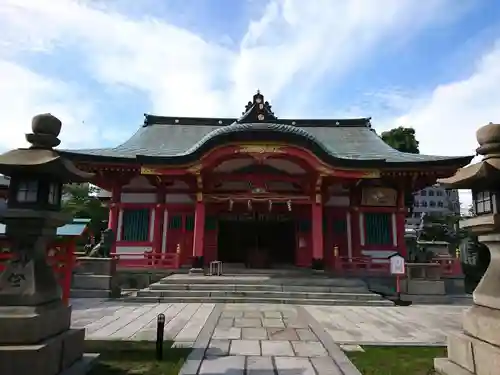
238	339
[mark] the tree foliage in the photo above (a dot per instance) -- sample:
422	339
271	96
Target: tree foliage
402	139
475	256
442	228
81	201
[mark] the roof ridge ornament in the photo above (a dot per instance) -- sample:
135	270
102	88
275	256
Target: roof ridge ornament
257	110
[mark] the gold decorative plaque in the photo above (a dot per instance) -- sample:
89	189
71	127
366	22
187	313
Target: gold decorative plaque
259	149
379	196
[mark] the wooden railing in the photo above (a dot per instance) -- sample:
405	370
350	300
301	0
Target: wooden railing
147	259
360	265
373	266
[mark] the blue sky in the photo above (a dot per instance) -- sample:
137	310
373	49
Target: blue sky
99	65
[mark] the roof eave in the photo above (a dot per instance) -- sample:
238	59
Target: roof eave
82	157
452	162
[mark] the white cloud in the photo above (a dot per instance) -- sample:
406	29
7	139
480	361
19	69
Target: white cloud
285	52
446	119
24	93
293	45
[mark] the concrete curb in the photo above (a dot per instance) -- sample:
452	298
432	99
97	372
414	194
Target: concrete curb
344	364
193	361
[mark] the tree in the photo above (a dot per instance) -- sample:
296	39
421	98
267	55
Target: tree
442	228
81	201
402	139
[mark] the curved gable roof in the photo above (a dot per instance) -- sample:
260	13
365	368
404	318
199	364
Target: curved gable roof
170	140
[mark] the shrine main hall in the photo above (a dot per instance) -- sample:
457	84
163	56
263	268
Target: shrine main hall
258	190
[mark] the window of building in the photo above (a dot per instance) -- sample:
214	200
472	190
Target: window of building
210	223
432	204
440	204
431	193
423	193
27	192
136	225
53	194
175	222
482	202
190	222
378	229
424	204
439	193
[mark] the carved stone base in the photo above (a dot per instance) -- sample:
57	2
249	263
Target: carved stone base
483	323
38	340
30	325
51	356
472	352
423	287
96	266
95	277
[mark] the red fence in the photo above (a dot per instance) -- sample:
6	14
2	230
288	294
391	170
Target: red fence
371	266
342	265
148	259
61	259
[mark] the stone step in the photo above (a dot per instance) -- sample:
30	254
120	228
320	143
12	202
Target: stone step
268	280
262	287
256	294
294	301
91	281
90	293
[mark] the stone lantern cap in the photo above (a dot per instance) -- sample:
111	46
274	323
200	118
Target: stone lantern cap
486	173
41	158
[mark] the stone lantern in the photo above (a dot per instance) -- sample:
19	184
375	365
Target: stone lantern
476	350
35	334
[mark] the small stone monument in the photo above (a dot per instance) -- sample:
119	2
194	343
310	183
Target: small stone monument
476	350
35	334
95	275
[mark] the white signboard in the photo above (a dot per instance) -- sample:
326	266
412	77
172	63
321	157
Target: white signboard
397	265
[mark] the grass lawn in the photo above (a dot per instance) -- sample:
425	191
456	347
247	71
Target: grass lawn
135	358
401	360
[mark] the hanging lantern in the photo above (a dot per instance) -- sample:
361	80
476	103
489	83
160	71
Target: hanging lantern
231	205
289	205
270	205
249	205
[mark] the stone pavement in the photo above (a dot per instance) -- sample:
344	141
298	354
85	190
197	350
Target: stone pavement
234	339
414	325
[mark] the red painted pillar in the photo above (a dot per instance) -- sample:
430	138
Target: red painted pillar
69	263
317	234
113	212
401	223
199	232
355	203
158	223
355	233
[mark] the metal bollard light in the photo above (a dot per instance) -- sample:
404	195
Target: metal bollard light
159	336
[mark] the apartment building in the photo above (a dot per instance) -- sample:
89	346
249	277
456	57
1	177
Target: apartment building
434	200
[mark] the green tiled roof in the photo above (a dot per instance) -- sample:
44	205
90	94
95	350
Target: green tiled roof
73	229
172	139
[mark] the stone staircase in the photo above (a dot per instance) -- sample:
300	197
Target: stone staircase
260	288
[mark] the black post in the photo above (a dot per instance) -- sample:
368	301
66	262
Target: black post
159	336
